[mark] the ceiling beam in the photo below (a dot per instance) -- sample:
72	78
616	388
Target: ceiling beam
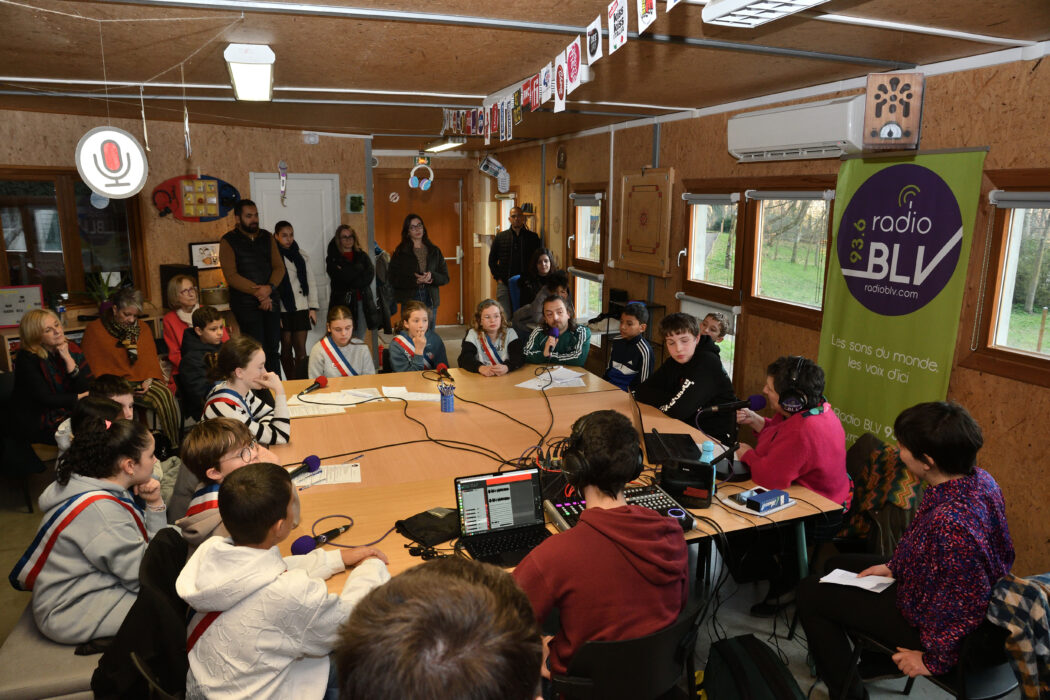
375	14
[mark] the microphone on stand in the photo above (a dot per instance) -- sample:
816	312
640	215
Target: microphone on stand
442	371
308	543
319	383
756	402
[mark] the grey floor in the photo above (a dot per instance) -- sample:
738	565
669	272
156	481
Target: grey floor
733	618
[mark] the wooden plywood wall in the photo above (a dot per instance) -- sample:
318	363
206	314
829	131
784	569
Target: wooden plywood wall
229	153
1001	107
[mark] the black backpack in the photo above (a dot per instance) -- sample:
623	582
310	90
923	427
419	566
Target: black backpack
745	668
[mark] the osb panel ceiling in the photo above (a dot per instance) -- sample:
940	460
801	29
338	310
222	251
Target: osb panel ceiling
335	56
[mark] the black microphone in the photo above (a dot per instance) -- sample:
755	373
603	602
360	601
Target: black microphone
442	371
311	463
308	543
756	402
319	383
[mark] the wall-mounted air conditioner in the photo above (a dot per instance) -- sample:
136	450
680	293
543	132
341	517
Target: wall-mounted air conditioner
824	129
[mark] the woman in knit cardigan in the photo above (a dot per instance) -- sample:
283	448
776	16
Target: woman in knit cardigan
119	343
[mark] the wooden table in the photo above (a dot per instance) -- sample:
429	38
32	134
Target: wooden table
398	482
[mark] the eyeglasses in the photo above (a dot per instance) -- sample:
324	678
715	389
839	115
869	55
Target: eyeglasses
188	290
246	453
416	227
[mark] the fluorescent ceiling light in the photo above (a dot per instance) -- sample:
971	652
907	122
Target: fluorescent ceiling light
251	71
444	143
752	13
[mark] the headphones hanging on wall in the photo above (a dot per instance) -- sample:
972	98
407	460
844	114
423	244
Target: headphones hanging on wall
574	464
793	399
423	184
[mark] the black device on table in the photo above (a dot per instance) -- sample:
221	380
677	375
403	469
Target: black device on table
501	515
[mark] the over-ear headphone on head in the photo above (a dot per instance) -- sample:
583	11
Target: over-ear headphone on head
574	464
793	399
426	182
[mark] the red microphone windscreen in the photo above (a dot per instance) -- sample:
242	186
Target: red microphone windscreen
442	366
322	380
757	402
304	545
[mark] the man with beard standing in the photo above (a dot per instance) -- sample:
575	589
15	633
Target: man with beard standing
510	255
253	268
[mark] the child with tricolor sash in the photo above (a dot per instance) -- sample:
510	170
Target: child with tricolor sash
262	625
339	354
491	347
212	451
241	365
415	346
83	564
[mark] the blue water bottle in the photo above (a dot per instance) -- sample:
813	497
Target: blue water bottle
707	456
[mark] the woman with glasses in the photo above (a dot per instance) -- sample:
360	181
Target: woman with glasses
182	300
211	452
351	272
50	375
417	267
119	343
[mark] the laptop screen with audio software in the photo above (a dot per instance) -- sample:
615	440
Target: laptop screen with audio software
493	502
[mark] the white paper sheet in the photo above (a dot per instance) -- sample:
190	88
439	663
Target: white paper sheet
304	410
875	584
558	377
331	474
400	392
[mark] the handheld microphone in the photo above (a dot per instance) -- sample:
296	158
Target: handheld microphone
319	383
442	371
310	464
308	543
756	402
554	332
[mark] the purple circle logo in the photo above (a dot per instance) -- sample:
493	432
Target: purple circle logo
899	239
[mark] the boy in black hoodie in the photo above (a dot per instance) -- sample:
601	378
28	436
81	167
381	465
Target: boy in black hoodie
691	378
206	339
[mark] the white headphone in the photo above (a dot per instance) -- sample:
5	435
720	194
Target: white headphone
423	184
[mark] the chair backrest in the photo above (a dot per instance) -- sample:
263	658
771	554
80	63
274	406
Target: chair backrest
632	669
514	287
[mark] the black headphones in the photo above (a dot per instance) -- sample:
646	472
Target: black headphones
793	399
574	464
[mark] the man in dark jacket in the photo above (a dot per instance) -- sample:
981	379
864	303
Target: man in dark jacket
252	266
691	378
510	255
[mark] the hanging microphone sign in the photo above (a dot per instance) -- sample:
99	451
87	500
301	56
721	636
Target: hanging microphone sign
111	162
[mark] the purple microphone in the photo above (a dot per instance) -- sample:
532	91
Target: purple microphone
311	464
308	543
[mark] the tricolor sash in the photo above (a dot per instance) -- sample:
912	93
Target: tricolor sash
206	498
198	624
24	575
490	350
410	348
340	362
228	396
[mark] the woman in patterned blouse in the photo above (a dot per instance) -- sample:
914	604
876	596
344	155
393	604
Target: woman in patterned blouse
944	566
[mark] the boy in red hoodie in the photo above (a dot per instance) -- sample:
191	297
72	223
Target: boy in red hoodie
638	549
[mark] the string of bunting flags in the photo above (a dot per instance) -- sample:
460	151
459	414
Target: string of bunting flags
505	109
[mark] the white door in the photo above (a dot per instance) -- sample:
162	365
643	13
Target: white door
311	206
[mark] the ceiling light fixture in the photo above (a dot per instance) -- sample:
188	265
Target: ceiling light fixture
752	13
444	143
251	71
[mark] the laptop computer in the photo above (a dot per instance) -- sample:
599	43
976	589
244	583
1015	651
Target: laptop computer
501	515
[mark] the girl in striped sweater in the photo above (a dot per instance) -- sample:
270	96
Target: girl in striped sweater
241	368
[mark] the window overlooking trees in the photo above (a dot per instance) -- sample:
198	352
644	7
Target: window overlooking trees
712	242
1024	295
791	249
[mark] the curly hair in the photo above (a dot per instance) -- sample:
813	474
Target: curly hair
97	450
503	323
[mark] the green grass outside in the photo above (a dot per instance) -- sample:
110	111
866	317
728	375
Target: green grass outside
1024	330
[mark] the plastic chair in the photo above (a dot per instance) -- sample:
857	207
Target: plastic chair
635	669
514	287
984	672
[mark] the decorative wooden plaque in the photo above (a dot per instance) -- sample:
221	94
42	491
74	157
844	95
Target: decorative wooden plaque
893	111
645	222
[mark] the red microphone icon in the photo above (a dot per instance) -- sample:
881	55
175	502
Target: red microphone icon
112	163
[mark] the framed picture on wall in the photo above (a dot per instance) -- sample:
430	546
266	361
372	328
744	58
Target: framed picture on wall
204	256
16	300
